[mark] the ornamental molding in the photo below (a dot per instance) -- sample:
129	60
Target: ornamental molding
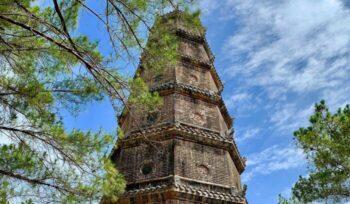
185	131
184	186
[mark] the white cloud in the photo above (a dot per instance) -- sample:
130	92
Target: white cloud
273	159
301	45
243	103
248	134
281	57
337	98
297	52
288	117
208	6
238	98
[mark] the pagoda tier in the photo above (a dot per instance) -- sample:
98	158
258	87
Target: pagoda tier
185	152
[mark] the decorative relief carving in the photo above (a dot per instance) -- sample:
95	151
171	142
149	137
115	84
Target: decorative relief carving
193	79
198	116
203	170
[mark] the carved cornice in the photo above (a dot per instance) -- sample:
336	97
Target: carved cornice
183	33
187	88
202	132
183	128
188	132
209	190
183	187
195	61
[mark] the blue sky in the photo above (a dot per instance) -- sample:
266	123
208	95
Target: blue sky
276	58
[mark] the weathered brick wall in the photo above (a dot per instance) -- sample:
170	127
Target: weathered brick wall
235	177
205	163
155	78
222	122
190	161
186	109
193	49
197	112
140	120
185	72
159	156
195	76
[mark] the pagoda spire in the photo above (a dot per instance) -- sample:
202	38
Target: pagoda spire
193	157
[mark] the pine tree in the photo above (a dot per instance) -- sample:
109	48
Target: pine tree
46	66
326	144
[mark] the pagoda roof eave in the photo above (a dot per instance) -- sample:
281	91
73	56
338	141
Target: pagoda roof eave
187	131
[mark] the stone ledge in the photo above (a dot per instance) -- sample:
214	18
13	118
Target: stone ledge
184	189
178	86
179	126
185	130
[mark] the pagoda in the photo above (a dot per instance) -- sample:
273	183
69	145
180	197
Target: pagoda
184	152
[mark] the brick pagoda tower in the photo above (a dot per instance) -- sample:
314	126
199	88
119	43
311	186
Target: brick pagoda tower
184	153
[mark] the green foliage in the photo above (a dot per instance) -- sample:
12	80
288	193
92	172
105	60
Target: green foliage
140	99
326	145
192	21
41	161
112	191
47	67
161	49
